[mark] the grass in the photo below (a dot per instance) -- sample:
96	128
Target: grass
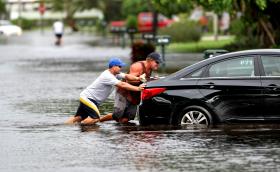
199	46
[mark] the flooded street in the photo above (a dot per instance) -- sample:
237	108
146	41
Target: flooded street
40	86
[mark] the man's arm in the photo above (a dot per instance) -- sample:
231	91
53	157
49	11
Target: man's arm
127	86
136	69
131	77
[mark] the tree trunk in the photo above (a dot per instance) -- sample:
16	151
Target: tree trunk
268	32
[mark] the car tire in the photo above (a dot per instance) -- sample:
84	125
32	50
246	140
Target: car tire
195	116
143	121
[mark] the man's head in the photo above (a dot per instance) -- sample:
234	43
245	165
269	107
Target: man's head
115	64
154	59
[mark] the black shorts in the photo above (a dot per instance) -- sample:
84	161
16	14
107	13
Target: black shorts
88	108
58	35
123	108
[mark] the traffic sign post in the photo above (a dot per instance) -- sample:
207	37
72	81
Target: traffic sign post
148	37
163	40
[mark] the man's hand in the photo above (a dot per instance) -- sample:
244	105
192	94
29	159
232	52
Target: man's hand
142	86
130	87
143	78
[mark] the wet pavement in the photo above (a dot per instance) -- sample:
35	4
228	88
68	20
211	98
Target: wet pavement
40	86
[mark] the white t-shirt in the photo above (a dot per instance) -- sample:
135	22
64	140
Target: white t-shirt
58	27
102	87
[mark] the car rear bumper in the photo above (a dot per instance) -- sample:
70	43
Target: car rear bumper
153	112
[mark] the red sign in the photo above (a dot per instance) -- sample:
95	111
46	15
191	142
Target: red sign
42	8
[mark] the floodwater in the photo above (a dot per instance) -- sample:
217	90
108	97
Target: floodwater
40	85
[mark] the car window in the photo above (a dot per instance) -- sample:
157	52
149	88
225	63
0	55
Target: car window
237	67
271	65
195	74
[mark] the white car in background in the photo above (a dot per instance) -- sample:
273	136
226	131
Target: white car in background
8	29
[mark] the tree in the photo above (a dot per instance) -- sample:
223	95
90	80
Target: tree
133	7
165	7
259	17
110	8
262	15
70	7
2	7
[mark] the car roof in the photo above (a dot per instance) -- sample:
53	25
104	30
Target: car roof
223	56
254	51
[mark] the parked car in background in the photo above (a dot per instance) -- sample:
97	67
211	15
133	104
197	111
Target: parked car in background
233	87
145	22
8	29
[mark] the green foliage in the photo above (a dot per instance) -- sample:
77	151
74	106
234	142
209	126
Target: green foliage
131	21
25	23
111	10
2	7
169	8
101	27
217	6
237	27
245	35
243	43
261	3
133	7
200	46
166	7
183	31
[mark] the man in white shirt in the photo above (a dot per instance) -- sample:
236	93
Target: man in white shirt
58	29
96	93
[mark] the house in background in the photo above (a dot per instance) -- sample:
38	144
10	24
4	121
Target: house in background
31	10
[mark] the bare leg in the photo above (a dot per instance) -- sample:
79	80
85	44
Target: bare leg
58	41
73	120
89	121
107	117
123	120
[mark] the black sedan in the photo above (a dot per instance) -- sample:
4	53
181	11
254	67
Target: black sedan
232	87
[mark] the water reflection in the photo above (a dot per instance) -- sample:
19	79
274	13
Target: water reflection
129	147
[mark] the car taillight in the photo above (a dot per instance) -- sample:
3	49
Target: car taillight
151	92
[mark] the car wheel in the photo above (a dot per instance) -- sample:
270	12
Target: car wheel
195	116
144	121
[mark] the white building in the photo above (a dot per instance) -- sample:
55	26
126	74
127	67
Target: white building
29	9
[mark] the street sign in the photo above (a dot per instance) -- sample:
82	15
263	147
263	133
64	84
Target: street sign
163	39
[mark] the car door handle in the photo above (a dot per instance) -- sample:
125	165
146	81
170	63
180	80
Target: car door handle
210	85
272	87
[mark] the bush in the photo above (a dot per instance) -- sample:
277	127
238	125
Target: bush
237	27
25	23
131	22
101	27
183	31
244	39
